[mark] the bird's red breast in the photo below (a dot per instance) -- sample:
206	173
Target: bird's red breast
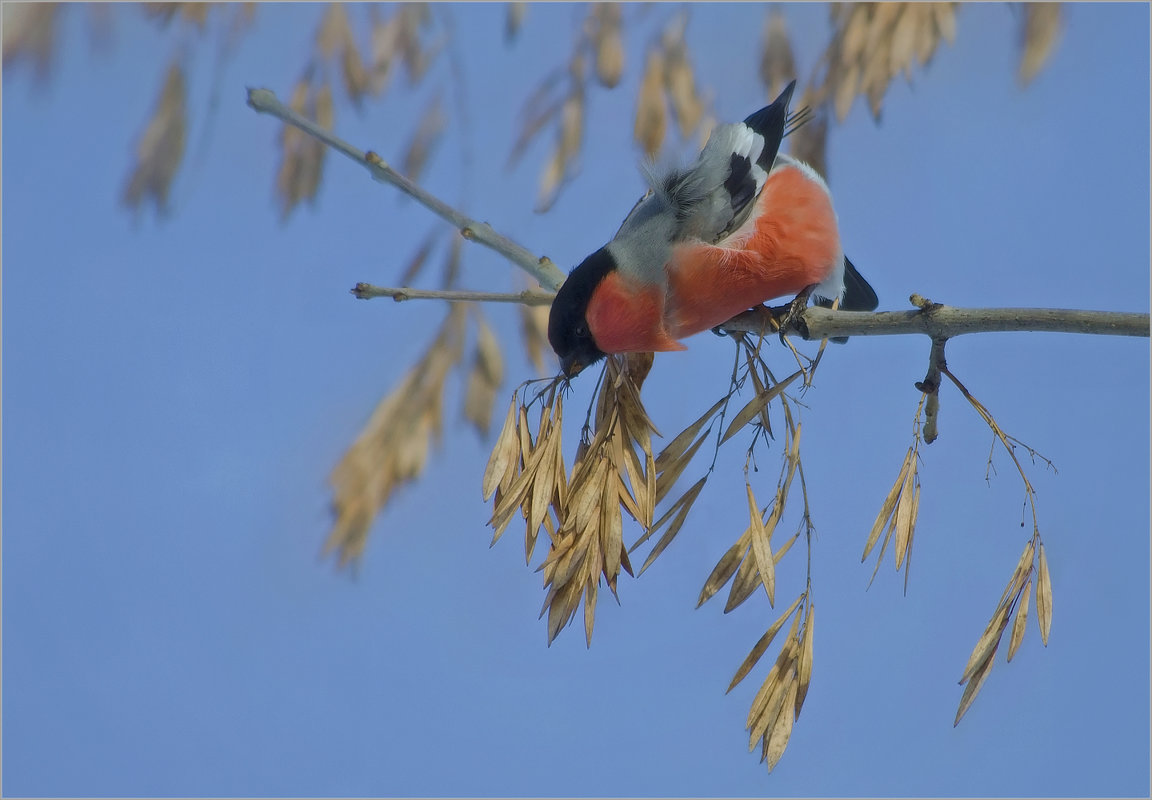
627	317
794	242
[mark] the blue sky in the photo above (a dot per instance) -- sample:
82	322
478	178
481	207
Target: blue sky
175	395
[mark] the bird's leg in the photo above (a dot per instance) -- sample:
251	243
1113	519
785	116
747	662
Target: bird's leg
787	316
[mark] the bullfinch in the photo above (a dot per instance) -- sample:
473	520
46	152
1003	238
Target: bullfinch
742	225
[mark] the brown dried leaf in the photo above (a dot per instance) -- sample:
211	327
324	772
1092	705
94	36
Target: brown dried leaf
874	81
884	18
550	180
681	509
804	665
538	111
419	258
767	697
334	32
912	533
544	481
572	125
392	447
411	17
534	330
162	12
781	730
641	507
324	110
611	528
889	505
160	150
506	452
761	548
757	404
1044	597
651	113
484	379
609	44
987	643
675	449
590	594
780	552
301	156
946	20
809	142
29	32
518	490
681	86
762	644
668	477
850	46
846	85
452	261
904	519
974	686
1040	34
777	65
904	38
1020	622
196	13
745	583
357	79
766	704
385	47
562	608
424	140
1021	573
928	36
724	570
513	19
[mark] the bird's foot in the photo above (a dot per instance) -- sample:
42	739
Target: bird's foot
788	316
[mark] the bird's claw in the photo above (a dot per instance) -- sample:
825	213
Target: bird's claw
788	316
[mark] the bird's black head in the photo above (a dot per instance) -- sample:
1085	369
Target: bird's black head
770	123
567	326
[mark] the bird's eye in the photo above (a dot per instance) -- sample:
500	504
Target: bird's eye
582	330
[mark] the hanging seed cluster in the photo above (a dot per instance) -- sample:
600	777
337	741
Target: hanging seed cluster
581	510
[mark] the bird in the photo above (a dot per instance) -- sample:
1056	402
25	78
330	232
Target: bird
741	225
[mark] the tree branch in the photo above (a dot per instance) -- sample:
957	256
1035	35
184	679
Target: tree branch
933	319
547	273
528	297
945	322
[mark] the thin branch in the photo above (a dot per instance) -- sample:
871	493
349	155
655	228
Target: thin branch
547	273
938	321
944	322
528	297
930	386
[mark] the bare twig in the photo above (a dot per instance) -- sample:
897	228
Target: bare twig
946	322
931	388
542	268
939	321
528	297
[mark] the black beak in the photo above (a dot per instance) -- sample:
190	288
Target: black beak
570	367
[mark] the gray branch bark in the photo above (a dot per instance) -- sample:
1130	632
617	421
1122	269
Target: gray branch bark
547	273
945	322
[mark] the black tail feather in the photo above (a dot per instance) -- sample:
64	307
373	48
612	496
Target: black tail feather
858	295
